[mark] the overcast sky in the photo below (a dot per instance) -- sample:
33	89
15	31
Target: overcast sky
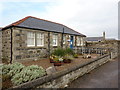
89	17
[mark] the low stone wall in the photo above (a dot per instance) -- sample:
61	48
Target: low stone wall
62	78
114	55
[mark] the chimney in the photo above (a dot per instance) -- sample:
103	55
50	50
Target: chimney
104	35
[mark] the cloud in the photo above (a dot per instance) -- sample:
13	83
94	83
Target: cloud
27	0
90	17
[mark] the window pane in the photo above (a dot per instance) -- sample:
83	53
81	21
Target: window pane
30	39
81	41
40	39
55	39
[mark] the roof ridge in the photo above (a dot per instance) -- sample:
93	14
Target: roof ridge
46	20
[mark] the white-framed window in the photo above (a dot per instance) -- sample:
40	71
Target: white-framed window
64	39
40	39
78	41
30	39
55	39
82	42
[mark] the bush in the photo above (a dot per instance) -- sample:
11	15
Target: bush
12	69
68	57
56	59
69	51
59	52
27	74
18	73
75	55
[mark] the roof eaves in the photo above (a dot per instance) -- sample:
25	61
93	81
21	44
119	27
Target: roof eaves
42	29
76	31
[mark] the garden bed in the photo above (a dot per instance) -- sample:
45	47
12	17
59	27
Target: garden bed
45	63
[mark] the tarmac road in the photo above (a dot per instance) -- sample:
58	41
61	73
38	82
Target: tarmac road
105	76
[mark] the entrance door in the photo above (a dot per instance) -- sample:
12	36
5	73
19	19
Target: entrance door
71	42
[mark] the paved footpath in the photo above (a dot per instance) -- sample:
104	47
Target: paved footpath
105	76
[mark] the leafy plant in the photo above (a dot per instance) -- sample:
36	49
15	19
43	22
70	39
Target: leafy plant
20	74
59	52
68	57
75	55
27	74
12	69
56	59
69	51
52	56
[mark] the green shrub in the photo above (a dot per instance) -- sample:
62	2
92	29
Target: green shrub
18	73
58	58
68	57
27	74
75	55
62	52
59	52
12	69
69	51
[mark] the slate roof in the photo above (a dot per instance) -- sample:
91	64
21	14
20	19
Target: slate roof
37	23
94	38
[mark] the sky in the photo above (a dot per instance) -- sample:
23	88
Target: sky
89	17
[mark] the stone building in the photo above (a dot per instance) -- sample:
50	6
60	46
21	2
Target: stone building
96	39
32	38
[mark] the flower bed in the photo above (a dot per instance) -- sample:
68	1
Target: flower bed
45	63
62	55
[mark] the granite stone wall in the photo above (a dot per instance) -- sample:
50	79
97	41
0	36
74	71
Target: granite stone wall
113	44
6	44
20	50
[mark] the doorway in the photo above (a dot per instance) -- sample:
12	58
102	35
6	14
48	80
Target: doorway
71	42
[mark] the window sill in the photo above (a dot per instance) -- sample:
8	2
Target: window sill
30	46
40	46
55	45
36	47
